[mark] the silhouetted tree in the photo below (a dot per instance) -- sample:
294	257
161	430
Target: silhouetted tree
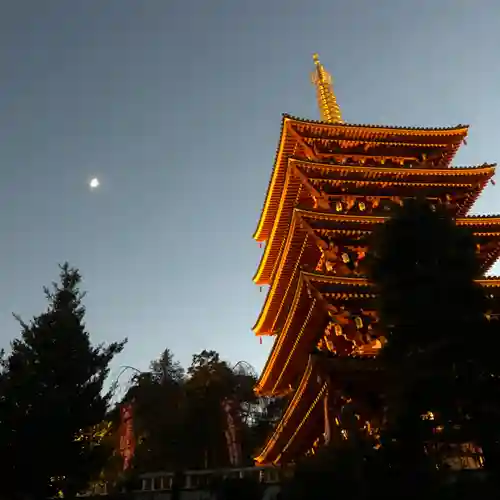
210	382
52	399
159	403
180	422
441	347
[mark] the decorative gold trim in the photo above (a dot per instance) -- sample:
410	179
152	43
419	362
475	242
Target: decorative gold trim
451	172
257	279
303	421
286	416
295	343
274	178
280	339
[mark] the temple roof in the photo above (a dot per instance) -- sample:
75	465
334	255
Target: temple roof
308	314
357	283
473	221
449	140
459	129
309	229
303	410
483	170
306	399
302	178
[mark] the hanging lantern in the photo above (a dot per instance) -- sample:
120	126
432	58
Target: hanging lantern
337	329
358	322
329	345
338	206
362	206
345	258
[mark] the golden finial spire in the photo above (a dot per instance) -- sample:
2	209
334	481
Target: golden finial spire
327	102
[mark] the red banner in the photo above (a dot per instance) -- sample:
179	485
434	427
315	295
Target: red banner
127	440
233	444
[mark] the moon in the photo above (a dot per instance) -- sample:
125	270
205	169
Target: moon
94	183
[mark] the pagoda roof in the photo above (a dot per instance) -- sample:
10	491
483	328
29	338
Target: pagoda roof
357	283
382	182
290	135
301	248
308	314
301	410
293	433
479	171
459	129
476	222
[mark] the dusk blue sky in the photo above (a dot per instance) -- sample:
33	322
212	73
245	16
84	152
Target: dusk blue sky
175	105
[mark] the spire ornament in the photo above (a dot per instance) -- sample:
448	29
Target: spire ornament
327	102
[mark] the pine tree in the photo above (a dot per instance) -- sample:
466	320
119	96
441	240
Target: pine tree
52	397
159	401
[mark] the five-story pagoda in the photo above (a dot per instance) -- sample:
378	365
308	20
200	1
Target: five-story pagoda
332	182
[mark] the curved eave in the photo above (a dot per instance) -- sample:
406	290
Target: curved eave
269	379
480	225
291	241
262	231
271	442
292	185
487	282
269	260
287	429
307	316
394	183
313	408
271	202
469	220
458	130
459	171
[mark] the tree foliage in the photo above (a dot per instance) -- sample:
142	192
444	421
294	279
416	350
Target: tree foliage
52	398
158	399
440	354
180	420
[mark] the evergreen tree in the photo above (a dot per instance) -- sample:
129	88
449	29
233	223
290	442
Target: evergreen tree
159	403
52	398
440	355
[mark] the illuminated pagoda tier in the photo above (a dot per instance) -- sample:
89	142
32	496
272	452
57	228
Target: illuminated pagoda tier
332	183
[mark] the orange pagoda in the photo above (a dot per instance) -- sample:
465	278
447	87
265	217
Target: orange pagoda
332	182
